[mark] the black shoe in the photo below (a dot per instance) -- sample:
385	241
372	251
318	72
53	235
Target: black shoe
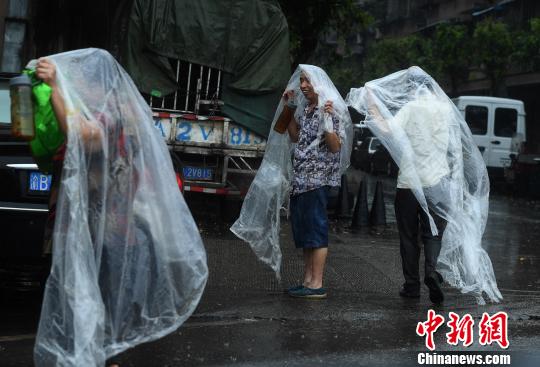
433	282
407	293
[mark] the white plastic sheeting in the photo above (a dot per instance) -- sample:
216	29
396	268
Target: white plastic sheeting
439	161
129	265
259	220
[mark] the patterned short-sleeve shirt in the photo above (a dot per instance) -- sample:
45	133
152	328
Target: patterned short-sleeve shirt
314	166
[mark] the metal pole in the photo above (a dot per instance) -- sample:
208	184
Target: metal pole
187	89
218	81
198	95
208	82
177	76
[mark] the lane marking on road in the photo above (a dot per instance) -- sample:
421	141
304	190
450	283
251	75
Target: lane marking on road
16	338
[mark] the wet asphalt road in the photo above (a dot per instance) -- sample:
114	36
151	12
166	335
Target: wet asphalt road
245	318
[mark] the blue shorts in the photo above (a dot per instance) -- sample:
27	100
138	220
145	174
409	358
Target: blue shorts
309	218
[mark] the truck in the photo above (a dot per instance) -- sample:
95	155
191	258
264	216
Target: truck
213	74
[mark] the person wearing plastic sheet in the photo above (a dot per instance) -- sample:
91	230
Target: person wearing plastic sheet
316	163
428	132
127	256
46	71
307	151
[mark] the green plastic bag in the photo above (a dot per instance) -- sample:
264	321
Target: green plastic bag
49	137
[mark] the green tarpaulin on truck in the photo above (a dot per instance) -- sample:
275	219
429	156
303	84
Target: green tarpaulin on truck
247	39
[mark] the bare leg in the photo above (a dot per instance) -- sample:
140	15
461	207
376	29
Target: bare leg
318	262
308	266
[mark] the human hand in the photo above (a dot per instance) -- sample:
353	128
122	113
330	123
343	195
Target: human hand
328	121
369	96
329	107
372	108
288	95
46	71
288	98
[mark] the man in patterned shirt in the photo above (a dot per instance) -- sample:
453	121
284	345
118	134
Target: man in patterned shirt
316	164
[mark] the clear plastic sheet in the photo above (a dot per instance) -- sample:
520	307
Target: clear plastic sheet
129	265
439	161
259	220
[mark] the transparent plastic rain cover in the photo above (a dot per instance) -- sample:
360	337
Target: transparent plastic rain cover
438	159
259	220
128	262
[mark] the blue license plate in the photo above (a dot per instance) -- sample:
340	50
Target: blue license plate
198	173
39	182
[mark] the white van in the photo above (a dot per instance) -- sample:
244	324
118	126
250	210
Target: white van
495	123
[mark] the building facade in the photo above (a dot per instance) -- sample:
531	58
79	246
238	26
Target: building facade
405	17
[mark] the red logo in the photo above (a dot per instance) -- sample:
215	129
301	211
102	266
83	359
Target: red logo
460	329
490	329
429	327
494	329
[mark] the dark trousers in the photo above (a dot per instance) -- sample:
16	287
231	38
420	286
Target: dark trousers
410	218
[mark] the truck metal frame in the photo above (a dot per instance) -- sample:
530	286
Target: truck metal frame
212	153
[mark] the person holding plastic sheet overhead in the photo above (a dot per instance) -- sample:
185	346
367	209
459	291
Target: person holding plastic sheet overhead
128	261
313	115
424	121
314	172
442	184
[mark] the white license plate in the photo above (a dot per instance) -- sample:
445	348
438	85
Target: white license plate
204	131
198	173
39	182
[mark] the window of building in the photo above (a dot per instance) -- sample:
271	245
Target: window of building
505	122
477	119
14	36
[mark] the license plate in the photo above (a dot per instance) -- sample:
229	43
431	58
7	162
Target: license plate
39	182
210	132
198	173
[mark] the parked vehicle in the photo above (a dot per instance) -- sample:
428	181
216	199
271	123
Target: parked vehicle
382	162
361	135
494	122
361	156
361	132
23	209
524	174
